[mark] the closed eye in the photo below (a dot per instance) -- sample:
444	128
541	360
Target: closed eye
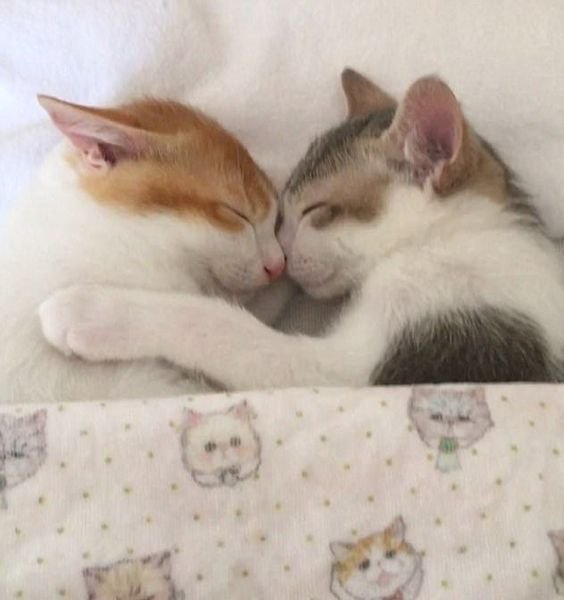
236	213
313	207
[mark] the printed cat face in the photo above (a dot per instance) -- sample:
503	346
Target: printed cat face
221	448
23	447
364	185
170	167
146	578
376	566
441	413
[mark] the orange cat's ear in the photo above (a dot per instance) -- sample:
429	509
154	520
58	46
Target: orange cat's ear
340	550
363	96
397	529
430	133
103	137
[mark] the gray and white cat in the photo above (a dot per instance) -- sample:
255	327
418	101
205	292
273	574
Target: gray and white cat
449	419
450	274
148	578
23	449
221	448
381	566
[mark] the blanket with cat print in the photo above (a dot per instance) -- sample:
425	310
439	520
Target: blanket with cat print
375	494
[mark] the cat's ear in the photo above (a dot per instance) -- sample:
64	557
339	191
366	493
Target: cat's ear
161	562
363	96
422	393
103	136
242	411
429	132
397	529
40	418
557	539
340	550
193	418
93	577
478	394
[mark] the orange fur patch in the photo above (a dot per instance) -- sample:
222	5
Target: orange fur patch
192	167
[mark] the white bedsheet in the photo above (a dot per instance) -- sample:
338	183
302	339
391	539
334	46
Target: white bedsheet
269	70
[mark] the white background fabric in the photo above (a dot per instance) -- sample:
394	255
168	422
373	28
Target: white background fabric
269	70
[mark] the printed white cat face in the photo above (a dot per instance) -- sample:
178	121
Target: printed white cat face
347	203
221	448
148	578
462	415
23	449
380	566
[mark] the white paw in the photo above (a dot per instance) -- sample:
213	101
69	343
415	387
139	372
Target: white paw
89	321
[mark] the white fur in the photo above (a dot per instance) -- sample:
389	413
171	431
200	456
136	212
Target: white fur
423	255
59	236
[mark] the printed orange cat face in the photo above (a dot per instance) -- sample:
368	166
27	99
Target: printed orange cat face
381	565
160	159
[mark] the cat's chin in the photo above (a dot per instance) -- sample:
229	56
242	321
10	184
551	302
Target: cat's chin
239	293
326	289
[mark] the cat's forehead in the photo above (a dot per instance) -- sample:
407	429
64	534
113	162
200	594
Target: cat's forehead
450	401
220	423
336	148
189	167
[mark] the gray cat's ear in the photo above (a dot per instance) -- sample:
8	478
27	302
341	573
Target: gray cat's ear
478	394
340	550
397	528
363	96
430	133
40	418
93	577
161	562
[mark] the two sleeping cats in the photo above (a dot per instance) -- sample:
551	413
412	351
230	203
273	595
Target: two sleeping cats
403	210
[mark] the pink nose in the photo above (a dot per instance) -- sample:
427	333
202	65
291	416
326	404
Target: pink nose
275	269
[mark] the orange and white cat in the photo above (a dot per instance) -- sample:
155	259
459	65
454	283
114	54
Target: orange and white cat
153	194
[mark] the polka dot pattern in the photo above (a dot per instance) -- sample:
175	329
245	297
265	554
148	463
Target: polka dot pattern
336	466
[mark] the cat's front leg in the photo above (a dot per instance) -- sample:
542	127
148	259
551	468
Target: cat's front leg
205	334
100	323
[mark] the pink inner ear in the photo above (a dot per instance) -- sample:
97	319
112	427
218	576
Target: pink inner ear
193	418
436	131
40	418
102	140
241	410
428	125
